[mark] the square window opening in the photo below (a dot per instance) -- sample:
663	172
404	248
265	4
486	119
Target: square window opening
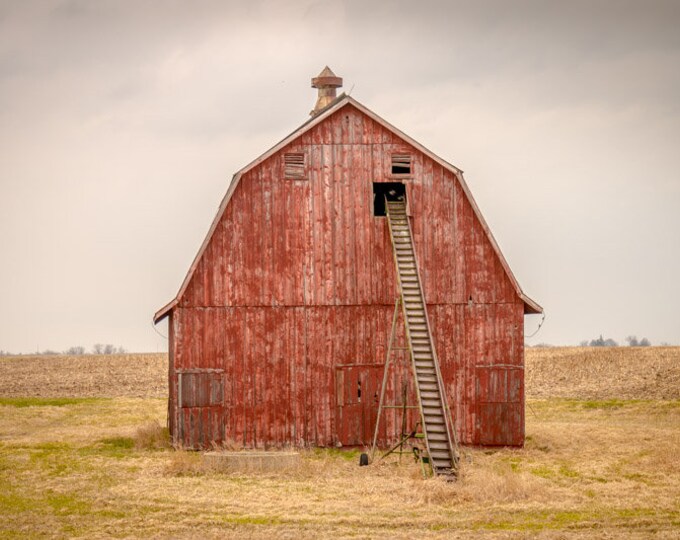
401	164
294	166
393	191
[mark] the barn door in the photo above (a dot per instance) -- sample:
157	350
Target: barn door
200	395
499	414
357	395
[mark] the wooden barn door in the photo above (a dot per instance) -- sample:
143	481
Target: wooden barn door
357	396
500	406
200	394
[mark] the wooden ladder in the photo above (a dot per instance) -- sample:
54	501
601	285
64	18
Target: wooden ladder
437	426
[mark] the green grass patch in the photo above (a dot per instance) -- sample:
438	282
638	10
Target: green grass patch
542	471
114	447
514	462
566	470
22	402
126	443
68	504
608	404
11	502
348	455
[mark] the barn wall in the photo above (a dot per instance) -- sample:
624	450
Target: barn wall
279	375
297	285
279	367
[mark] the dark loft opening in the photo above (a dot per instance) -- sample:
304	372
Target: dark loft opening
392	190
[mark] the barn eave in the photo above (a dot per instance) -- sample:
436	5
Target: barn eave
530	306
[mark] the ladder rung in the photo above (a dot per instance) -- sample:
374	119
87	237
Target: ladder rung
439	446
432	412
424	365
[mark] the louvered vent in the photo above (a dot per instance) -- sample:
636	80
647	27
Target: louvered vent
294	165
401	164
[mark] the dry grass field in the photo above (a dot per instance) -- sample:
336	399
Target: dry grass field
90	459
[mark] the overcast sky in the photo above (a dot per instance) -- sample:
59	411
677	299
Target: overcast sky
121	124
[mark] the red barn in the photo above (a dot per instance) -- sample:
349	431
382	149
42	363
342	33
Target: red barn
279	333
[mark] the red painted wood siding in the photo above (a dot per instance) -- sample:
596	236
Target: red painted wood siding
315	242
299	278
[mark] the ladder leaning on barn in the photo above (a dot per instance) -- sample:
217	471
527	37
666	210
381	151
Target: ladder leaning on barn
438	430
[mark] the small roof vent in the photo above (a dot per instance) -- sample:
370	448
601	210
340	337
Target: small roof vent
326	82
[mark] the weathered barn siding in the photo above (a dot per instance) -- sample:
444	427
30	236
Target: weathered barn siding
315	241
280	377
296	288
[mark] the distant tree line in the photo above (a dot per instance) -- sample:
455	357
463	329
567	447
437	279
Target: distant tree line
632	341
97	348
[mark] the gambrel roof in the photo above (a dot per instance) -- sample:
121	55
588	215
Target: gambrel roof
341	101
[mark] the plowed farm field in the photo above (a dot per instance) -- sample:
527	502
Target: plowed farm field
563	372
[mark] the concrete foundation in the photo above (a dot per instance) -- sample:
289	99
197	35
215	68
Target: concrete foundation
255	461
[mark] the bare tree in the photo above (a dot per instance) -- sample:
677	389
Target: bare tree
634	342
98	348
77	350
601	342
